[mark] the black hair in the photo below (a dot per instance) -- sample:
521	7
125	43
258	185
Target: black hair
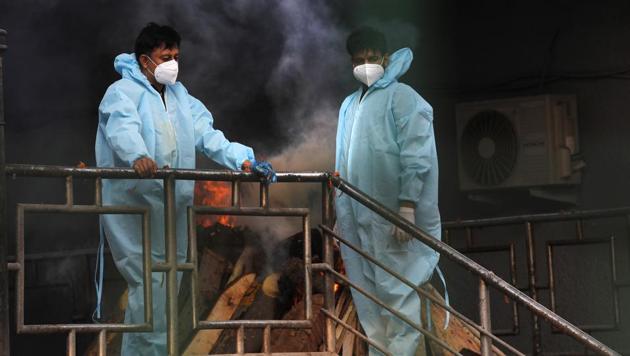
155	36
364	38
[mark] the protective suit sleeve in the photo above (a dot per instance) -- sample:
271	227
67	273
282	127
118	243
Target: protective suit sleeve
414	124
121	125
213	143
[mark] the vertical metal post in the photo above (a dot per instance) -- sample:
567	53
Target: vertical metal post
236	193
170	235
531	271
192	256
71	345
329	294
69	191
308	271
240	340
469	237
98	192
579	229
102	343
4	273
264	195
266	349
484	318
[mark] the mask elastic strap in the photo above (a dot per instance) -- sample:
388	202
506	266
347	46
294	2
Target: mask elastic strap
99	272
446	301
149	58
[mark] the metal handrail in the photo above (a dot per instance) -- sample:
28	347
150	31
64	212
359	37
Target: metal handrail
488	276
169	266
170	175
543	217
419	290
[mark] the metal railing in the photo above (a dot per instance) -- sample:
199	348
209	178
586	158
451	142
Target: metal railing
533	286
486	277
170	267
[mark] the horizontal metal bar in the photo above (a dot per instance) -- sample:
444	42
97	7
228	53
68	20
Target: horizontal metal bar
165	267
13	266
485	249
255	324
355	332
60	254
475	268
575	242
30	170
249	211
81	209
324	267
83	328
595	328
509	220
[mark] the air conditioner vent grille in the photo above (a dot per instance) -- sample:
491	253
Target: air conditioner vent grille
489	148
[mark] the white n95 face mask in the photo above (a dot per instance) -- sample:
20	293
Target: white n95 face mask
166	73
368	73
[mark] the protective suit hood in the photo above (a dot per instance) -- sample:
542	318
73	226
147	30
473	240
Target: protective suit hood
128	67
399	63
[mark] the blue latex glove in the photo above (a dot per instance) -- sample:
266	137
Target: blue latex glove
265	170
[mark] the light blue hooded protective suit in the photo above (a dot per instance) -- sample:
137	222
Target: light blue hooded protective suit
134	122
386	148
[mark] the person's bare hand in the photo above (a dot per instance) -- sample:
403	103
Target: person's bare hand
145	167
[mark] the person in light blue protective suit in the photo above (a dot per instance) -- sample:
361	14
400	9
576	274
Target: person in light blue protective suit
148	120
386	148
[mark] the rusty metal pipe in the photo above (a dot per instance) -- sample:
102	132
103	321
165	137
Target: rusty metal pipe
34	170
170	244
534	218
328	258
192	257
255	324
531	272
484	317
308	275
83	328
246	211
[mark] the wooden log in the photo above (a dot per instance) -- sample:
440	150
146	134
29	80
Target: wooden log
459	335
213	271
204	340
301	340
259	306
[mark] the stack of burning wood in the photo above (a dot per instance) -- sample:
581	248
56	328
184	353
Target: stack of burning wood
242	278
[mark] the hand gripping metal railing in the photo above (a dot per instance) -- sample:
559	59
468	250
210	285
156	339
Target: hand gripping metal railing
170	266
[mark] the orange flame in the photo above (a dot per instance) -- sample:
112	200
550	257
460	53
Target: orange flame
218	194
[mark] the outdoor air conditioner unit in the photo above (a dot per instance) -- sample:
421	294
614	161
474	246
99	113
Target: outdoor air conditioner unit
520	142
